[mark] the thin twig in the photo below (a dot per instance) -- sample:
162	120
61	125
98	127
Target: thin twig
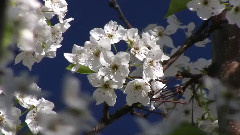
114	4
152	111
172	101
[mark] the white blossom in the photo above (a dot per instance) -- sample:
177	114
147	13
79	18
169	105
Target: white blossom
77	57
28	98
116	66
233	16
59	7
105	89
9	120
111	31
206	8
44	107
93	49
152	68
174	24
162	36
149	41
137	91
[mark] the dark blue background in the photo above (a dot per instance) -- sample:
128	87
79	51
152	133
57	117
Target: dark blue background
89	14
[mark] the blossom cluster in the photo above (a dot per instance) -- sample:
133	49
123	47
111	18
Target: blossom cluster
22	102
207	8
22	99
29	23
137	70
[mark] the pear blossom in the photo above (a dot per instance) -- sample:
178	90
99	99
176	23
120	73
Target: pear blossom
35	38
22	18
77	57
105	89
149	41
41	32
116	66
152	68
162	36
131	36
59	7
27	59
111	31
44	107
174	24
137	91
190	27
206	8
138	49
28	98
233	16
9	120
93	49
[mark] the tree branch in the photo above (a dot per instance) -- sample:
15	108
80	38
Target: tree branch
114	4
199	35
104	123
105	111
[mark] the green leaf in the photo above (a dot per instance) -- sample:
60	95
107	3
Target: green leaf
187	129
7	35
82	69
176	6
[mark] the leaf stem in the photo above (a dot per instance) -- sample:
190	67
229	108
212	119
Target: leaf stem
115	49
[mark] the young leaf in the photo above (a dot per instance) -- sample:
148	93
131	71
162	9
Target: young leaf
176	6
82	69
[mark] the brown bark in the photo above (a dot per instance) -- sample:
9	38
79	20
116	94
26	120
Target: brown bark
226	58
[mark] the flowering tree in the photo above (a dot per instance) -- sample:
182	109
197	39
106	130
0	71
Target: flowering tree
191	97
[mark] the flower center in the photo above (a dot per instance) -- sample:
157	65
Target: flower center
130	42
106	85
150	62
136	48
160	34
110	36
137	87
97	53
114	67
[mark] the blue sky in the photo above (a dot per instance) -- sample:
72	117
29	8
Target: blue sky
89	14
